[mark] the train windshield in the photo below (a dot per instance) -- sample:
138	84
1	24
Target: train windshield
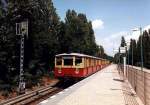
68	61
58	61
78	61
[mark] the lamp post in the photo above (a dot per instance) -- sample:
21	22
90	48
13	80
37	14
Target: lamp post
128	45
141	47
132	51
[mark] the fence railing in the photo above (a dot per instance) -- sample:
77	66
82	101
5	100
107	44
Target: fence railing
139	80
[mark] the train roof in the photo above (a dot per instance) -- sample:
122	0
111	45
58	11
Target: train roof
77	54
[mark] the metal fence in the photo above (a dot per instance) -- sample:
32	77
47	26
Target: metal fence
140	82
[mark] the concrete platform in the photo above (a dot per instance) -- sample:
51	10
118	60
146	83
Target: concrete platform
102	88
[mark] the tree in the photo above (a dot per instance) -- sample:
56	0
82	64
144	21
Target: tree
43	23
101	52
1	9
146	48
117	58
92	47
46	42
132	52
79	34
138	51
123	42
47	37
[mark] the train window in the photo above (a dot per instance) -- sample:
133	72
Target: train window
58	61
78	61
68	61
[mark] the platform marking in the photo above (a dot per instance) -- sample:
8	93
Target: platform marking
60	92
45	101
66	89
71	87
53	96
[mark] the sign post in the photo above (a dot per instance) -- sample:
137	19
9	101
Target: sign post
123	51
22	30
124	61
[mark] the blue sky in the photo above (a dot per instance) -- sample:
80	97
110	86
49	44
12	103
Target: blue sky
111	18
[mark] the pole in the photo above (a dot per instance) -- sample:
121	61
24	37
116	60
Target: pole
128	63
127	69
132	52
21	76
22	30
128	57
141	49
124	60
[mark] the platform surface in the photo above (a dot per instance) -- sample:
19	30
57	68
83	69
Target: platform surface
102	88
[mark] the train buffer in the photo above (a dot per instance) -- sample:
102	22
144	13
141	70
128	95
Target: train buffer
105	87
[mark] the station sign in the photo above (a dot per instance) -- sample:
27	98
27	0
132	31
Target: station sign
122	49
22	28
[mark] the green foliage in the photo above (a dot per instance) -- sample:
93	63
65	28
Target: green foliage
123	42
78	35
2	10
47	37
5	93
117	58
137	50
42	19
146	49
134	52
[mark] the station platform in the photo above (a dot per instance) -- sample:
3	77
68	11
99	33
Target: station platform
105	87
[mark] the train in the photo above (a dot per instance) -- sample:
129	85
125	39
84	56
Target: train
76	65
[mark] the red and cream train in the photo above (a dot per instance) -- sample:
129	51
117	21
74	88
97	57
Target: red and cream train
77	65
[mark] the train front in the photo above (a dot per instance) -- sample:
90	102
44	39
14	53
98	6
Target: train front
69	65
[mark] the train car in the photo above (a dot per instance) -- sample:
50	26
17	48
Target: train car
76	65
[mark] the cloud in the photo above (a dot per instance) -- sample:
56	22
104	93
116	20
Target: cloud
147	27
97	24
135	34
111	42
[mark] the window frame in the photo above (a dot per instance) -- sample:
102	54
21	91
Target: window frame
71	57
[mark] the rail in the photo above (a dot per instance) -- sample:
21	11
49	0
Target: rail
29	97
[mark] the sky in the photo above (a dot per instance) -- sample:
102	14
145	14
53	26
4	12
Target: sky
111	19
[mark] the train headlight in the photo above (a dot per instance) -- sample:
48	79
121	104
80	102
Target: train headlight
59	70
77	71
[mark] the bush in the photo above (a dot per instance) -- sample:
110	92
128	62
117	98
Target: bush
5	93
51	74
4	87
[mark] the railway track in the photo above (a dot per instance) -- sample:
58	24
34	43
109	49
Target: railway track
30	97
